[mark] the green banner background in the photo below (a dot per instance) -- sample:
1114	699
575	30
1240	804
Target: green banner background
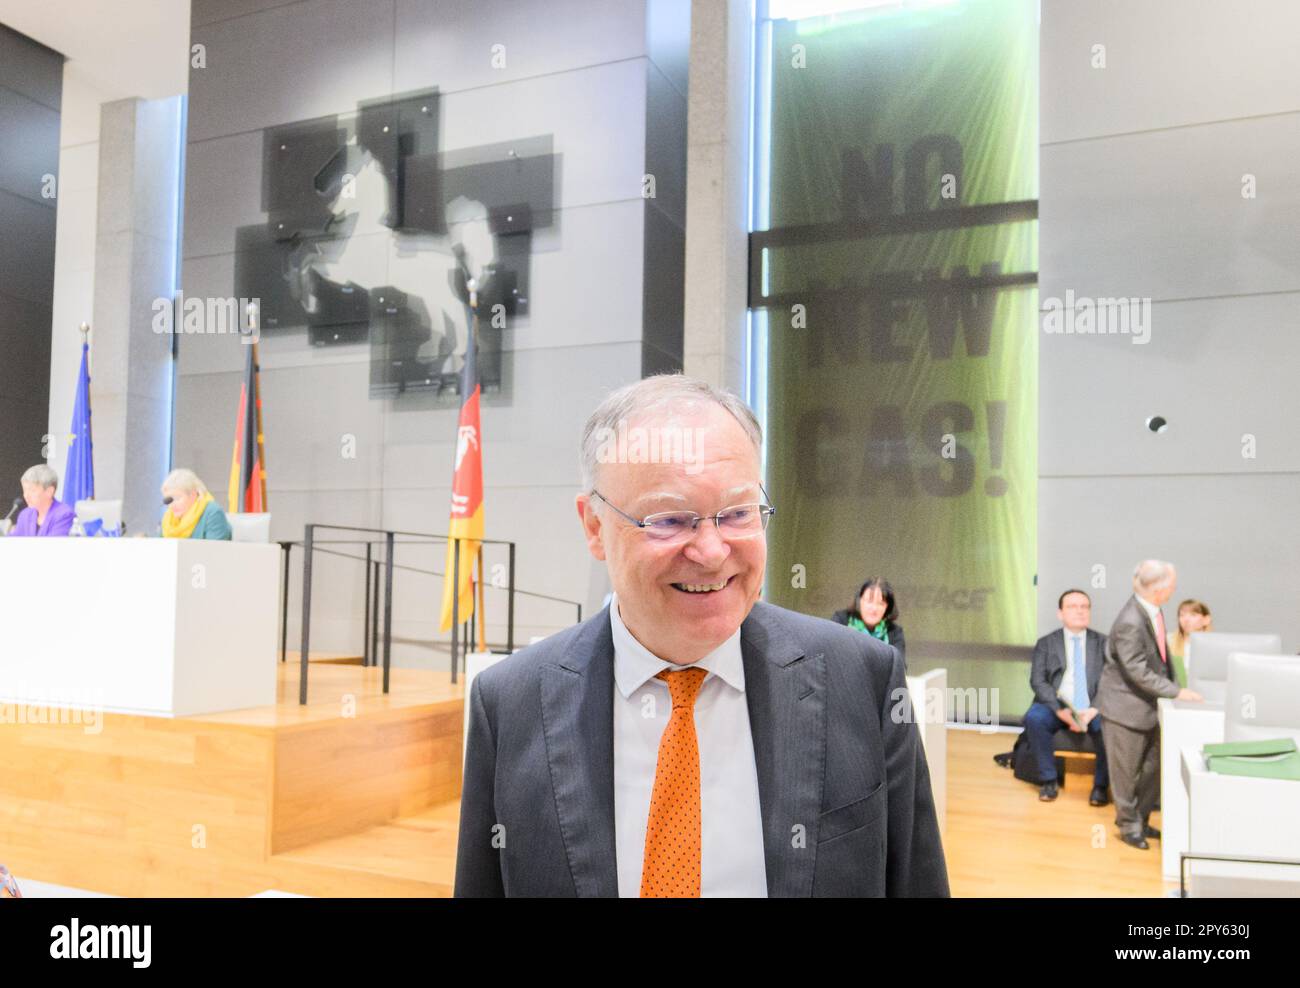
867	118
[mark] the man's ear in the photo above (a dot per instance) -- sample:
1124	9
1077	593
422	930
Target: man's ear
591	526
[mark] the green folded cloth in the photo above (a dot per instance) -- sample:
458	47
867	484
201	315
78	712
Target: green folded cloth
1267	746
1271	758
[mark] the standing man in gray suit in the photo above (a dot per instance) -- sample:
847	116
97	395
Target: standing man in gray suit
1137	672
689	739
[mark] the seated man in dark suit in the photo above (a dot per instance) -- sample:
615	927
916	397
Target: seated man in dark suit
1064	675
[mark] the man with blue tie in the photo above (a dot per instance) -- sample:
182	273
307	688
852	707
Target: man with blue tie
1064	675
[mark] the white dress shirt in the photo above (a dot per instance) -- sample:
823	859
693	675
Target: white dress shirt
1066	690
731	851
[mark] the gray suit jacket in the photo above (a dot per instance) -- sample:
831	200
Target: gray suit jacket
1133	677
1047	666
844	789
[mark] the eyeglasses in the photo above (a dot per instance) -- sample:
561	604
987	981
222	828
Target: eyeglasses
740	521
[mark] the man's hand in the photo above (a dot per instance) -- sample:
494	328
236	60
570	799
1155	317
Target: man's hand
1086	716
1186	694
1067	718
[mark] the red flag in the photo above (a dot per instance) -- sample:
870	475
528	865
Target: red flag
466	527
247	490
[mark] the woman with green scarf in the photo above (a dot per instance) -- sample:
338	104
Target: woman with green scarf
192	513
874	612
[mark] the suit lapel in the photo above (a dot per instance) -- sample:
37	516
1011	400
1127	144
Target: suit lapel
1057	652
577	694
1156	663
786	697
1145	619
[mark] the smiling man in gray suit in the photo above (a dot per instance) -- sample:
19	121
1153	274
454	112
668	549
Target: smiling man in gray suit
689	739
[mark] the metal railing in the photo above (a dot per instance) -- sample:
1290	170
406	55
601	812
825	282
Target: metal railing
374	569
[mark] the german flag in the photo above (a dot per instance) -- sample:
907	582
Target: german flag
247	491
466	490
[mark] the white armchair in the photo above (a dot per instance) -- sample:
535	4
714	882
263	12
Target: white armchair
1241	816
250	526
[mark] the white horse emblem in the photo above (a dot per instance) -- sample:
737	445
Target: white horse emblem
466	436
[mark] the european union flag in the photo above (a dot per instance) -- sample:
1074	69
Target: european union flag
79	472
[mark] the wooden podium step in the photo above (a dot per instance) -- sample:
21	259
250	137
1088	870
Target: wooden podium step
334	658
211	805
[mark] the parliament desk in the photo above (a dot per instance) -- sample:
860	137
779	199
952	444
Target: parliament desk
929	693
1183	724
156	627
1243	817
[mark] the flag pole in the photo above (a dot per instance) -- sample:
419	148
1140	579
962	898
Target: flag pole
254	324
466	521
246	490
478	609
78	480
479	616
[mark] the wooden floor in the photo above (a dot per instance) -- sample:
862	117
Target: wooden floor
417	851
1002	841
353	795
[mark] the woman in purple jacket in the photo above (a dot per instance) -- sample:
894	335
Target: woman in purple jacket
44	515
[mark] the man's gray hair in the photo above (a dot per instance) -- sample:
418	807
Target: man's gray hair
661	391
42	475
1151	574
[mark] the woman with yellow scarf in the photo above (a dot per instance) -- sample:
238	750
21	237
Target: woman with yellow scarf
192	513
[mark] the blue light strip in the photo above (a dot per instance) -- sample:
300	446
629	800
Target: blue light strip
760	103
178	226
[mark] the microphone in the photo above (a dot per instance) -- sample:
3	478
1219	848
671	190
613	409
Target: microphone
7	523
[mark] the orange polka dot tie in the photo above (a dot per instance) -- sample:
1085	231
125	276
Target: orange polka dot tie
671	868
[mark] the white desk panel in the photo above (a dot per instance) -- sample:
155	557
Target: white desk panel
162	627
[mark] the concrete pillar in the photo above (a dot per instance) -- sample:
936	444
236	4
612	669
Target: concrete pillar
717	228
135	264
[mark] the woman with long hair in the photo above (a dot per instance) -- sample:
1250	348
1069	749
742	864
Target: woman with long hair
875	612
1193	615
